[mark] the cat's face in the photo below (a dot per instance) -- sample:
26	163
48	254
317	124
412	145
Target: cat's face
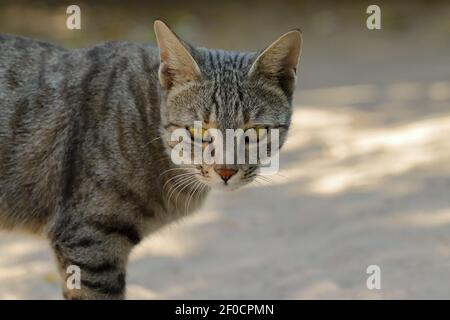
208	93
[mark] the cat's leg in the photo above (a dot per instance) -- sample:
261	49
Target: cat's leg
99	245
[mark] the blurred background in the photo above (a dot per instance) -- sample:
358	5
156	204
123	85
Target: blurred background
365	176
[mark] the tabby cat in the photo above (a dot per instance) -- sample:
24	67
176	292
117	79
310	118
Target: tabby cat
85	139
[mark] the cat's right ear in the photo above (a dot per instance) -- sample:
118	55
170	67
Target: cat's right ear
177	66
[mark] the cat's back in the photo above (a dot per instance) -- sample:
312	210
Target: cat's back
39	80
12	44
47	94
23	65
21	60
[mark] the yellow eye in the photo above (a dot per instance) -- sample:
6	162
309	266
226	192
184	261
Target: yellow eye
195	132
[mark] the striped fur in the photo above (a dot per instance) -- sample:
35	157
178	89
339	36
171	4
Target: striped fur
83	153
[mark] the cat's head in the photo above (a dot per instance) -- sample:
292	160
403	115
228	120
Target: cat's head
222	90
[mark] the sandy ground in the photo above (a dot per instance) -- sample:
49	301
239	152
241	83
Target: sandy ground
365	180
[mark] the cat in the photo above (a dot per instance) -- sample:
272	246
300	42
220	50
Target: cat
85	139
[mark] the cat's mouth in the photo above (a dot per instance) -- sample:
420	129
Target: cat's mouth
223	178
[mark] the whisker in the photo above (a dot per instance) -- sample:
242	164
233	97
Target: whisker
176	185
265	179
172	169
152	141
194	189
184	187
204	186
177	176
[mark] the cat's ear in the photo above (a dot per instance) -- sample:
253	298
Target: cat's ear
279	61
177	65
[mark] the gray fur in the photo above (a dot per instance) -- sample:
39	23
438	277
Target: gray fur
84	158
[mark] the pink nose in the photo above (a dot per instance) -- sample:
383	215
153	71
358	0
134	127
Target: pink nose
225	174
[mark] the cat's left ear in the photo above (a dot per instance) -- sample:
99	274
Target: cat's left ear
177	66
279	61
